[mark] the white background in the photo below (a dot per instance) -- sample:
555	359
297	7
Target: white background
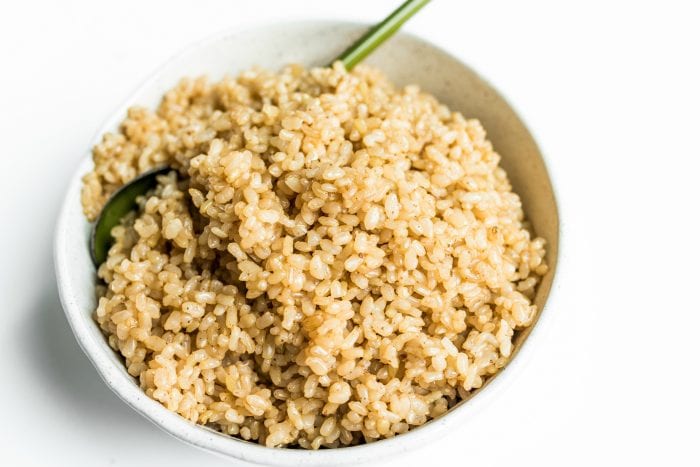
611	91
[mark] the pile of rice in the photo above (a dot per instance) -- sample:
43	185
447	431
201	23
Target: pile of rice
336	262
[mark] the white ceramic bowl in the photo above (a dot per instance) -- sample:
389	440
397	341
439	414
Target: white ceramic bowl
406	59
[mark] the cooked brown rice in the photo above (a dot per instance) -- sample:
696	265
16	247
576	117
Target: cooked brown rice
338	261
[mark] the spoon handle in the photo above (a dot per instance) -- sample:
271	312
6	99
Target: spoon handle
366	44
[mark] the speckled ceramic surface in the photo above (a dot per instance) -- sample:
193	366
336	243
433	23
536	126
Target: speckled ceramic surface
405	59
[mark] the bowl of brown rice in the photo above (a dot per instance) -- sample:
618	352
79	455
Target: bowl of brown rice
339	266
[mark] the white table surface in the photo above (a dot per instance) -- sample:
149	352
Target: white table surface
611	90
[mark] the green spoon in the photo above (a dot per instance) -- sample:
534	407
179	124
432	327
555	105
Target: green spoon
121	203
124	199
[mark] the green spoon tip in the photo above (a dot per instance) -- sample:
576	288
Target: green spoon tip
121	203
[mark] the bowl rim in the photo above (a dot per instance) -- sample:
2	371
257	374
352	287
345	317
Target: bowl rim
231	447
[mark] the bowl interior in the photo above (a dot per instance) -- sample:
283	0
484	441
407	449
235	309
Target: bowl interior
406	60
